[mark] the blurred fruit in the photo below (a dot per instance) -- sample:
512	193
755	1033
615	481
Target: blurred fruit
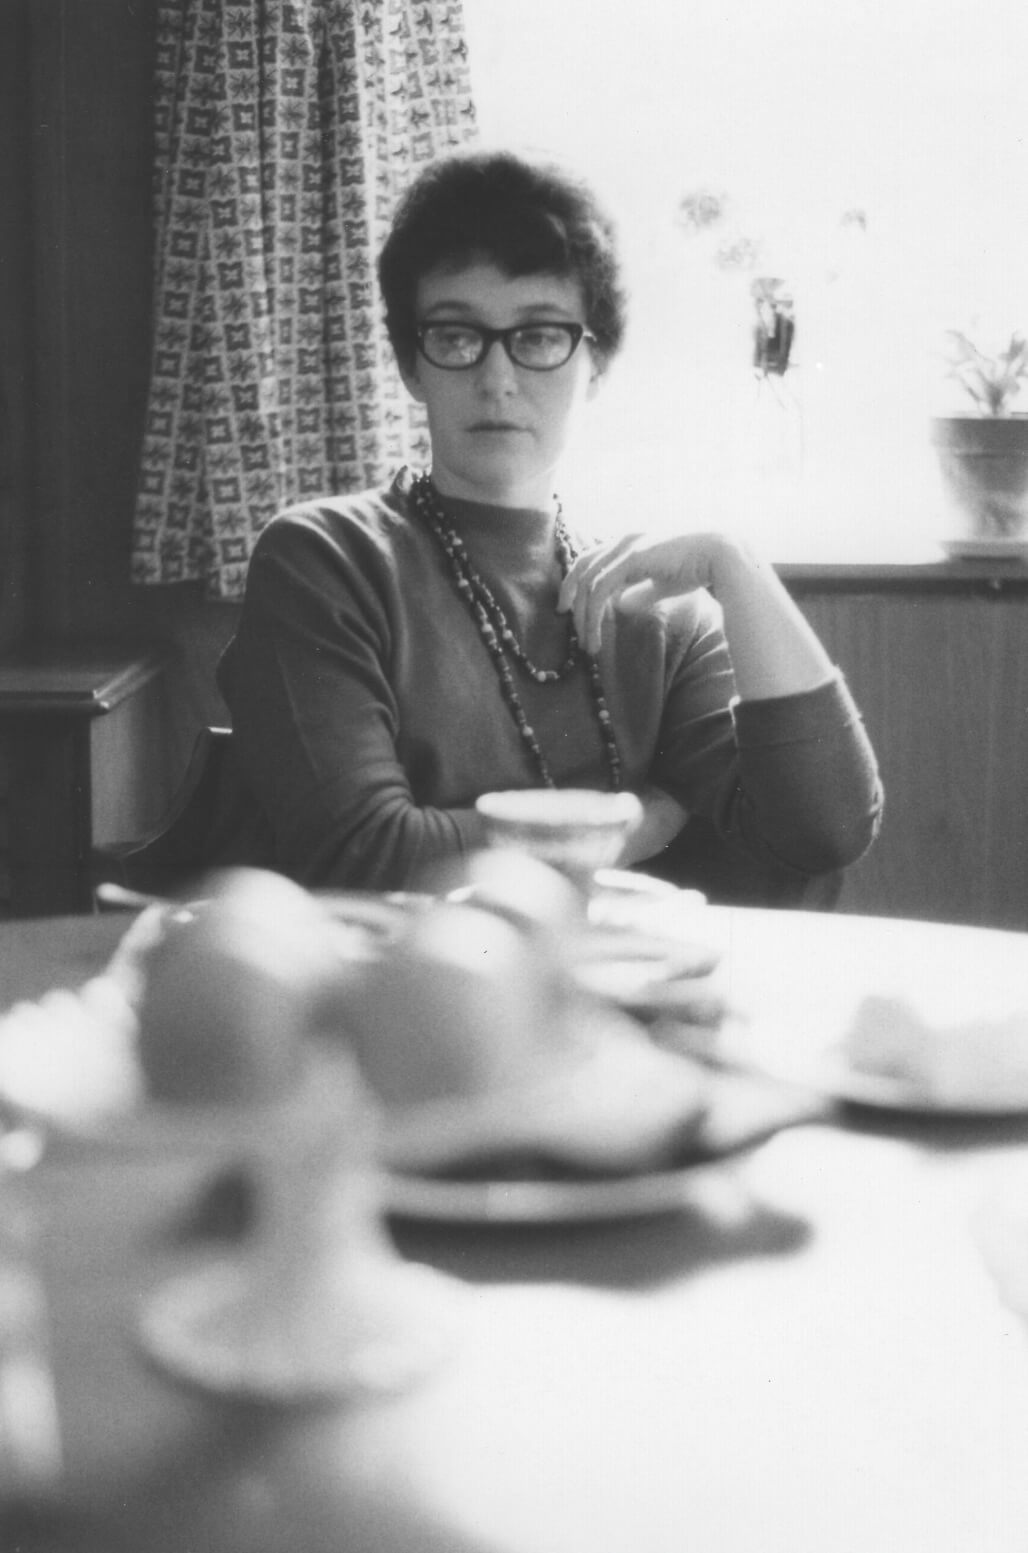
459	1005
522	889
230	989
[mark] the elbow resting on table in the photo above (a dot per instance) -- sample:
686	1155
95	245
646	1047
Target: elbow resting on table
831	840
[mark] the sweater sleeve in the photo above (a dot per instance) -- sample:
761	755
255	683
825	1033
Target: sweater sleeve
808	792
316	719
793	778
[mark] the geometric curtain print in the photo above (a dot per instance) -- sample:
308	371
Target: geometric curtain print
285	132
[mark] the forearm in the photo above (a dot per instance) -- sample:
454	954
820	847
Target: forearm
393	845
327	774
774	650
662	819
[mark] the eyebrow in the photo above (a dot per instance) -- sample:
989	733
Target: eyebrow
526	314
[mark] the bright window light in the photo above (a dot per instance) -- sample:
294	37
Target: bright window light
871	155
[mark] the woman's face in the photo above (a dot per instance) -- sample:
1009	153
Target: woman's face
498	430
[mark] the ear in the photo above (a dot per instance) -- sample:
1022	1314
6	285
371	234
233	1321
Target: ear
597	374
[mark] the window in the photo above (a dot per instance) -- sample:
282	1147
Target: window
872	155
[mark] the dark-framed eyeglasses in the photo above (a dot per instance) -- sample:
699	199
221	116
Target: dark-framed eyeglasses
541	347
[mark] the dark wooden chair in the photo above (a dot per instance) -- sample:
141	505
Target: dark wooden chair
215	822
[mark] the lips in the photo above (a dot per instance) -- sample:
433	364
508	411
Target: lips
497	426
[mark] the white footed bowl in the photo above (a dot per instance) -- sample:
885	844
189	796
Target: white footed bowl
577	830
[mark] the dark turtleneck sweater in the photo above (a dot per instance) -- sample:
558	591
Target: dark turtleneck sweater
368	714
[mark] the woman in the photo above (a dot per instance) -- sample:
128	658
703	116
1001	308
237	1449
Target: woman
404	650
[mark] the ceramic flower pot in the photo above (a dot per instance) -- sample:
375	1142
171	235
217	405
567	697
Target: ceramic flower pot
984	466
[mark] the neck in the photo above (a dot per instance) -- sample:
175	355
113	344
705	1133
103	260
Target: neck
516	540
536	494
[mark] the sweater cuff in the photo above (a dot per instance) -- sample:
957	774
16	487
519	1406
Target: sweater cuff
794	719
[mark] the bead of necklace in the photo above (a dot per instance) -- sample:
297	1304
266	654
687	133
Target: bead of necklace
502	643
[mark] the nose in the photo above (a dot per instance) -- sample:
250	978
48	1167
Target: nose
496	372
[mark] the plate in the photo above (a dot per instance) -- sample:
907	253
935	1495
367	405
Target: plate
542	1202
647	949
648	976
743	1114
838	1078
827	1071
985	549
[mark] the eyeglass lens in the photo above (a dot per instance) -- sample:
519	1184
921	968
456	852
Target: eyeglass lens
540	347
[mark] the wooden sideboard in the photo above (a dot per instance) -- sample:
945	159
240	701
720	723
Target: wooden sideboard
81	739
937	658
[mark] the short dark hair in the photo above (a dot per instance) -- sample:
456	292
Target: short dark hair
525	217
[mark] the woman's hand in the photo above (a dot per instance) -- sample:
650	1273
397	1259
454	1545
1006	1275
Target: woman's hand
635	572
774	650
662	819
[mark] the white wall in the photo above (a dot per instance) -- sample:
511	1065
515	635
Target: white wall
914	111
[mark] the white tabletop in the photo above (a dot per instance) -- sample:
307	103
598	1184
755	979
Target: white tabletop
811	1354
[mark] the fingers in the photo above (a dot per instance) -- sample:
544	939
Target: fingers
632	572
590	599
595	581
581	578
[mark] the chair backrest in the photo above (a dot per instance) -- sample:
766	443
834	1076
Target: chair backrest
213	822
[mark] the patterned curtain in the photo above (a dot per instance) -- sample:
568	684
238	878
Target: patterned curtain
286	129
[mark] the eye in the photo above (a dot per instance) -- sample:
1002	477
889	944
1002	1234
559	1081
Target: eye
543	338
544	345
454	341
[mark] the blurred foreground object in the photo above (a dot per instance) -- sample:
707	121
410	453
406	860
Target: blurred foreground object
231	989
475	1031
226	1000
576	830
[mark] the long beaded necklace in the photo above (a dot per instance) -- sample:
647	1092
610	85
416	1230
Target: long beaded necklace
500	640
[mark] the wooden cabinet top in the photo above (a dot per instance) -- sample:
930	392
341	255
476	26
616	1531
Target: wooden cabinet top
80	679
978	576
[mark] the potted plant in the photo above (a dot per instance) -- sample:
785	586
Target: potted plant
983	452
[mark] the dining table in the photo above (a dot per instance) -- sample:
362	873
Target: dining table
815	1343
